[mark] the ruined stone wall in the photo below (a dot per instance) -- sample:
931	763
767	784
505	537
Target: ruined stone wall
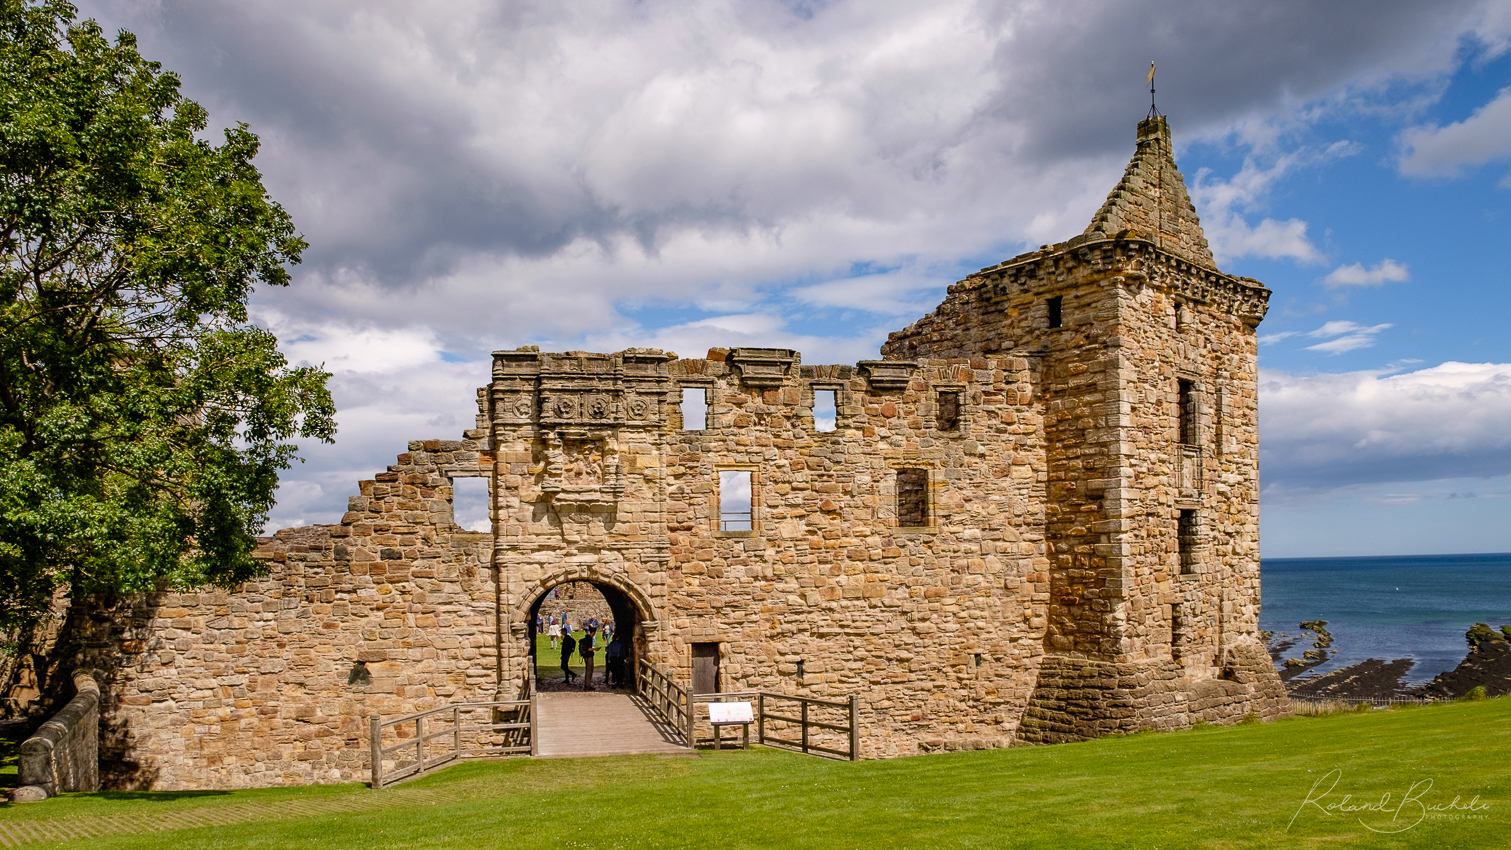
938	628
389	612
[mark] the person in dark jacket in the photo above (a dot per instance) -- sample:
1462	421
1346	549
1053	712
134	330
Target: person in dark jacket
585	649
615	665
568	643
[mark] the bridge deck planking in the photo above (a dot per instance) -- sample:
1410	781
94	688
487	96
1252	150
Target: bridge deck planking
600	723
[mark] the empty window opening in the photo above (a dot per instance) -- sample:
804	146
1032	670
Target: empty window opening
1187	390
912	498
947	413
1056	319
469	504
694	409
1188	528
735	511
825	408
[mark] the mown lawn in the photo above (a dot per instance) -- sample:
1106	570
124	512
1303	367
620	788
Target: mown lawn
1217	787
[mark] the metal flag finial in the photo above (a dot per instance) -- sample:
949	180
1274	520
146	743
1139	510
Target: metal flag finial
1153	111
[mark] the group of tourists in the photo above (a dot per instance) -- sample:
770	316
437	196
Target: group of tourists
616	653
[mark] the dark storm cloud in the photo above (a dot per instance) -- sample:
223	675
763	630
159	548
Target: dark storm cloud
405	137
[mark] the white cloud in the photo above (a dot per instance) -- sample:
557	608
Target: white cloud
1355	274
1333	430
1485	136
1345	336
1271	339
476	175
1223	202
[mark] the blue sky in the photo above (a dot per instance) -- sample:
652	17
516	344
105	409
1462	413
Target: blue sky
596	175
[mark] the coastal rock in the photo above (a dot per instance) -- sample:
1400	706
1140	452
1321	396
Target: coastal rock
1488	663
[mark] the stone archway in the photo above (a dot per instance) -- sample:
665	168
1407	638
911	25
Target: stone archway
633	613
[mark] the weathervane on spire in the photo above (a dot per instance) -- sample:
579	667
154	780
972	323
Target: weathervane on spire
1153	112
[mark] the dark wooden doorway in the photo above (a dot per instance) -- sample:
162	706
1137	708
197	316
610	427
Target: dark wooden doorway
705	668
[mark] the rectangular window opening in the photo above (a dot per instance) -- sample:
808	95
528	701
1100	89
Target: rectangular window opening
469	504
912	498
694	409
1056	319
947	414
1187	402
735	502
1187	528
825	410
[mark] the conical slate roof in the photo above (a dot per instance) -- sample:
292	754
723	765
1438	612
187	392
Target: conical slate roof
1151	200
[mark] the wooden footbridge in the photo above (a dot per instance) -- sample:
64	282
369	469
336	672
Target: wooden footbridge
663	717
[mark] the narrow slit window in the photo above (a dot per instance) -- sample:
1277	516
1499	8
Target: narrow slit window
1177	631
694	409
947	413
1187	403
1056	318
1187	530
736	512
825	410
912	498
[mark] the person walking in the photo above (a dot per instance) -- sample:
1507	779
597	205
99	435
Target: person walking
585	649
553	630
567	645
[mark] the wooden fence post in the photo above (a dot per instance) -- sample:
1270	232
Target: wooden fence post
456	732
854	727
692	743
534	726
805	726
761	718
419	741
375	735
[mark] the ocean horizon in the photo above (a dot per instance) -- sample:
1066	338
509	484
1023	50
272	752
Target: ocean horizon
1387	607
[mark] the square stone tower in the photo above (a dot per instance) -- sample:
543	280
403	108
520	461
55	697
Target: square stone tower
1148	357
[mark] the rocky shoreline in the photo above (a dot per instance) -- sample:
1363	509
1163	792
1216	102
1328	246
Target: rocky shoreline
1487	665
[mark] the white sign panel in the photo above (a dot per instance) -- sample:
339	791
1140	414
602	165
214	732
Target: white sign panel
730	712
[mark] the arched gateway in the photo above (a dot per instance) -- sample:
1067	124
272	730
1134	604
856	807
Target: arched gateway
633	614
1036	519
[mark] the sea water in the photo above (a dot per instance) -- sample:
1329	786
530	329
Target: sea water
1415	607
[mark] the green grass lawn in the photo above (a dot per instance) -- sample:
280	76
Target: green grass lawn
1217	787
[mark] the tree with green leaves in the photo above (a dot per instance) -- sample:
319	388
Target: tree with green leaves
144	418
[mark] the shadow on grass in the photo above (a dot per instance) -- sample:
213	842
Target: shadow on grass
156	796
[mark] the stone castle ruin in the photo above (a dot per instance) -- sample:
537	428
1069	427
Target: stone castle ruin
1035	519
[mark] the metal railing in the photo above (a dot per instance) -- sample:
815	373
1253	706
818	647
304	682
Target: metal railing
429	739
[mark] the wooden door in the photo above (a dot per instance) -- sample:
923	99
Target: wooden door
705	668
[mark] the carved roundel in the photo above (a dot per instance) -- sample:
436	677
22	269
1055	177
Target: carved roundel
522	408
563	408
598	408
637	408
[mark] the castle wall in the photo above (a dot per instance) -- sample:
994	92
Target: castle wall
938	628
389	612
1076	555
1140	616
